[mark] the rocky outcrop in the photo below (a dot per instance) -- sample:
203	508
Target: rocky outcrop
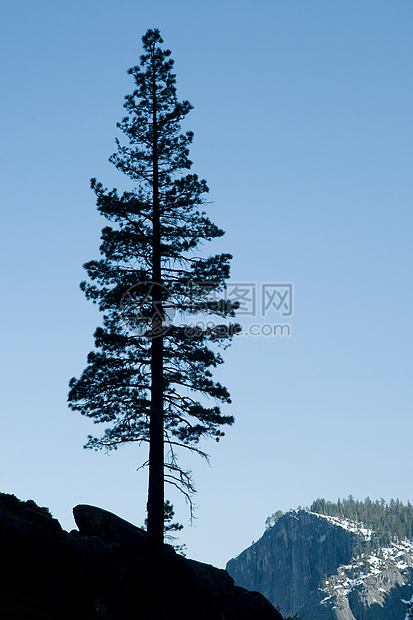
379	597
305	564
97	572
382	596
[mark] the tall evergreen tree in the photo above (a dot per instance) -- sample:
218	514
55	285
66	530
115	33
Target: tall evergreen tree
142	378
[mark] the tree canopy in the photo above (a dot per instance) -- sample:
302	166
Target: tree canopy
389	521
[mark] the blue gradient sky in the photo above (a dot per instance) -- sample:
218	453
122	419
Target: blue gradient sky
303	130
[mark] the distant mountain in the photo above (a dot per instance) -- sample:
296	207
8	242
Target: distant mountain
324	567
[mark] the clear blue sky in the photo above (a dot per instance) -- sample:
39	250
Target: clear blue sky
303	130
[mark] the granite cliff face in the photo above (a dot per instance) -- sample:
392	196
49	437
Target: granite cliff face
292	558
97	572
304	564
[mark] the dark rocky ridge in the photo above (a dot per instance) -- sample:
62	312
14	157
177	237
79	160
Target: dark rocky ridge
97	573
292	559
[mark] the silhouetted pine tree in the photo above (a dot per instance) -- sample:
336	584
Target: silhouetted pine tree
142	378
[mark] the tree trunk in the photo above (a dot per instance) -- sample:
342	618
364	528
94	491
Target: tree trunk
155	552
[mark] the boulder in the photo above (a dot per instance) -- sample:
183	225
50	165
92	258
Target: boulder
193	590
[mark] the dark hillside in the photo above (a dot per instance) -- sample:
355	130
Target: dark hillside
98	572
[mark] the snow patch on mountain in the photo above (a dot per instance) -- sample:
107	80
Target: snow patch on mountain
398	555
351	526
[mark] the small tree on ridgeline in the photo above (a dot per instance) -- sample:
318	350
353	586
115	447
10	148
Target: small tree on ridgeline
142	378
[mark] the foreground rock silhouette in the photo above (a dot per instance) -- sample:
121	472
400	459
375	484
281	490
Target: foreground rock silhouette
96	572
